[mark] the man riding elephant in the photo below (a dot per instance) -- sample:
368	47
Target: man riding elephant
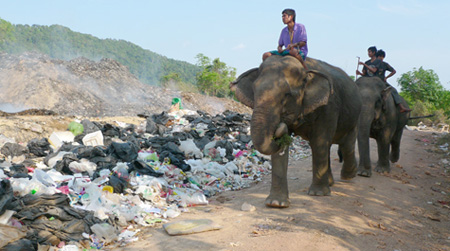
293	38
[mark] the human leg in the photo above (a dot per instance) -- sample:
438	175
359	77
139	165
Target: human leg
298	55
397	99
266	55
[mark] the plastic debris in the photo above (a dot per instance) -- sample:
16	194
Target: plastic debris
105	190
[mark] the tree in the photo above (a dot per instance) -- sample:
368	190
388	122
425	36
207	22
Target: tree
422	87
215	76
6	30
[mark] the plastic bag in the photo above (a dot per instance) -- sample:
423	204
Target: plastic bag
44	178
6	195
40	148
190	149
105	232
83	165
76	128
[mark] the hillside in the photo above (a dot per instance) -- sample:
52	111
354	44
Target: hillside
89	88
60	42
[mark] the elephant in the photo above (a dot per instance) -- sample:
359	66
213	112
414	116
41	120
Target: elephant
381	120
321	104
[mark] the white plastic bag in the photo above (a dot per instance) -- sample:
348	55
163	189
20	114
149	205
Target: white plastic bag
44	178
190	149
84	165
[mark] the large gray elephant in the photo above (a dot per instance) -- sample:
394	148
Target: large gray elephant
380	119
321	105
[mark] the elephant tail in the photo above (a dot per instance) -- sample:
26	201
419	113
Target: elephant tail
421	117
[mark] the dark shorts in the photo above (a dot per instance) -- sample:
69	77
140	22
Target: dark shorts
286	52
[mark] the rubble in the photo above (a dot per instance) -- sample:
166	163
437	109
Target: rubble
82	87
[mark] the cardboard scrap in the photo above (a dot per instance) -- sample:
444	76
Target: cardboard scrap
190	226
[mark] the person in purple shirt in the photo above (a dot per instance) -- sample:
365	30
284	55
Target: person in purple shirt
293	38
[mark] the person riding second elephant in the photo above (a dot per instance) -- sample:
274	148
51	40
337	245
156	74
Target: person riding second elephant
370	66
383	67
293	38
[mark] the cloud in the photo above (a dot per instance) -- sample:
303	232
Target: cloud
186	44
402	7
238	47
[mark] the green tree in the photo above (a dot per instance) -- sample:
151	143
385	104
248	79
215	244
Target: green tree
6	30
215	76
421	85
423	91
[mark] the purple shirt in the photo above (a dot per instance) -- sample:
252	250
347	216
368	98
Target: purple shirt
299	36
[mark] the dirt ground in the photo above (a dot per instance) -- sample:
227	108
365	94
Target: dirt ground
407	209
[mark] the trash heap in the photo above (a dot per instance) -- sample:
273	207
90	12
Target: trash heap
96	184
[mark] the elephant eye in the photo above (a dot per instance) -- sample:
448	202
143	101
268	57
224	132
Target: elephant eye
288	94
378	103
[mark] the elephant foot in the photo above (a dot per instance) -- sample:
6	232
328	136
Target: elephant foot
394	156
348	175
383	169
319	190
364	172
277	200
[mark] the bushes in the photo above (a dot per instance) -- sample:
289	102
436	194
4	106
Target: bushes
425	108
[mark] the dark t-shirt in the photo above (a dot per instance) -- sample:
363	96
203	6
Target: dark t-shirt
383	67
375	63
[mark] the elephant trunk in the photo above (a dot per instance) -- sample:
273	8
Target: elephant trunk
265	130
365	122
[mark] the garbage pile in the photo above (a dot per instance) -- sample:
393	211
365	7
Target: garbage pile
82	87
96	184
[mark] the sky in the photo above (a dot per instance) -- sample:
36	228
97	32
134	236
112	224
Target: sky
413	33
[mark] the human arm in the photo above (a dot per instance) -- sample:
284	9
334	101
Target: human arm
371	68
298	44
392	72
280	48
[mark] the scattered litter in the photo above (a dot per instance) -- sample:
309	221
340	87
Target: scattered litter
190	226
248	207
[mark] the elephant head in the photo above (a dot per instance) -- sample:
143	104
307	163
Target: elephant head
375	95
281	92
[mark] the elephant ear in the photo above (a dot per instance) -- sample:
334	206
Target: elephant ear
243	87
317	90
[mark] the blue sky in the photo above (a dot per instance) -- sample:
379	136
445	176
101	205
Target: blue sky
413	33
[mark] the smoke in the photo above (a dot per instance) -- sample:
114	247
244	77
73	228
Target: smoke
12	108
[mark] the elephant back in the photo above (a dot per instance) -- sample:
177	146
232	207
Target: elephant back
373	83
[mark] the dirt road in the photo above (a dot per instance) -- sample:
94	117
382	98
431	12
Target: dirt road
407	209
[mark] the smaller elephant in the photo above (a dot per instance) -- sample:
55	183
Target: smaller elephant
381	120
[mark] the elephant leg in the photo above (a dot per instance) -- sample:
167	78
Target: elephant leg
279	194
321	168
395	146
348	170
383	164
